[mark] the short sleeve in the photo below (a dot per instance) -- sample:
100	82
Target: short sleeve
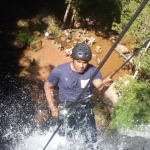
53	78
98	75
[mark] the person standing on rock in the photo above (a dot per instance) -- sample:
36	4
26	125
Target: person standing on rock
71	78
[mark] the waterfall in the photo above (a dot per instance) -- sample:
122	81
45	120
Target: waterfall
21	128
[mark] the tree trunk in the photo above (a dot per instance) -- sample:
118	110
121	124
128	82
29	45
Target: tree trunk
146	49
72	20
66	15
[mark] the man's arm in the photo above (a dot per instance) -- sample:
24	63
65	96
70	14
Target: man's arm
49	88
102	85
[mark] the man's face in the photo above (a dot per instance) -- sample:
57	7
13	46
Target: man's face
79	65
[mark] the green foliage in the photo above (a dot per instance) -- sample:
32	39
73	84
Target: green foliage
104	11
142	62
133	107
26	36
54	29
140	27
97	108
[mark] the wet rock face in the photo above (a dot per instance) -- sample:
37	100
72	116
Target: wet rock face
35	46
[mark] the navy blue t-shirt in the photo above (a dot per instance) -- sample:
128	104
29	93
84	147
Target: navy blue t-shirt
71	83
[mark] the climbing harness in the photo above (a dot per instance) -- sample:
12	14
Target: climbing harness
140	8
81	111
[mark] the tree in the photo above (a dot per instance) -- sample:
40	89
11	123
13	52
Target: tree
104	11
133	107
66	14
142	62
140	27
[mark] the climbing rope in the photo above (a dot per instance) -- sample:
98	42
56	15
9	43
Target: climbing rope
140	8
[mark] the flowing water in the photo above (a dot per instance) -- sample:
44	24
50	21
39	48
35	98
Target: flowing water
26	125
25	122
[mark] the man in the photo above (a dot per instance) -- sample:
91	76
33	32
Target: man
71	78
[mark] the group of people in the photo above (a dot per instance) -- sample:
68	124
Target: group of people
71	78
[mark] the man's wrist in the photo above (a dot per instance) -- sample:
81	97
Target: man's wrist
104	83
53	107
51	104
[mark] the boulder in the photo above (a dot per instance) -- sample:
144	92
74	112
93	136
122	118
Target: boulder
63	38
54	42
60	47
16	44
76	35
98	61
22	23
36	33
91	41
36	45
26	61
68	40
68	52
98	49
78	24
122	49
94	56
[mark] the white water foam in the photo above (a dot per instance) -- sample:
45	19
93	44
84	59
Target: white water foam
38	140
142	131
106	141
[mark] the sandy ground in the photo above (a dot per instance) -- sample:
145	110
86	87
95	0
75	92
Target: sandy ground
46	58
49	56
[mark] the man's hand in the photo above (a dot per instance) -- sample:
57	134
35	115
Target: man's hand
107	81
54	111
102	85
48	87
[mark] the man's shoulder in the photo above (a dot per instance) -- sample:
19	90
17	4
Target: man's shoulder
64	65
91	69
59	70
61	67
90	66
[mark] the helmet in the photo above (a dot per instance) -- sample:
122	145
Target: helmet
82	52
